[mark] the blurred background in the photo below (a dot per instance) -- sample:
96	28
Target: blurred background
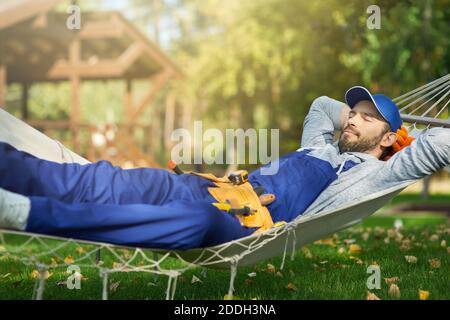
135	70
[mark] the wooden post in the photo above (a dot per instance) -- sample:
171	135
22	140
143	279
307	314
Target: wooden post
3	84
25	96
74	57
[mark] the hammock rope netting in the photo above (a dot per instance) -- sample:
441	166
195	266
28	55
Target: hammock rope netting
422	108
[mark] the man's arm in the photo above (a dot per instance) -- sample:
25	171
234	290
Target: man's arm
427	154
324	117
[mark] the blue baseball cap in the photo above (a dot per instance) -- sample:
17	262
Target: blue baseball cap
385	106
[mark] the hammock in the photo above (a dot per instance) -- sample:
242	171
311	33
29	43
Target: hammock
421	108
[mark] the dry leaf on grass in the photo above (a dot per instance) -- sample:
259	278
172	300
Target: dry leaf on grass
327	242
394	291
443	243
195	279
35	274
357	260
365	236
355	249
411	259
252	274
341	250
424	295
68	260
372	296
307	253
62	283
290	286
434	237
391	280
434	263
80	250
270	268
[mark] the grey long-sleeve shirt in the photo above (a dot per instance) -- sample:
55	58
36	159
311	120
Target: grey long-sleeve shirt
427	154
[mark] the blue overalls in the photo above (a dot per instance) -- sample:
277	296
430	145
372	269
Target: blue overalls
148	207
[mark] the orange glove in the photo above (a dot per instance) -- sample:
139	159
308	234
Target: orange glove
403	140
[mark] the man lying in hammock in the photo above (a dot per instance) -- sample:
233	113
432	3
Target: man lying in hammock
155	208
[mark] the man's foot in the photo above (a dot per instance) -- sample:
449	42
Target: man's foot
14	210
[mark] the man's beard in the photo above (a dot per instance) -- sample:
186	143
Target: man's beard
362	144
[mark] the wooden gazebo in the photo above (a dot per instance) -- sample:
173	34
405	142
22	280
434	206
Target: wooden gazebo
37	46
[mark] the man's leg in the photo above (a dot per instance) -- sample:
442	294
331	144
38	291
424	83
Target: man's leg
99	182
177	225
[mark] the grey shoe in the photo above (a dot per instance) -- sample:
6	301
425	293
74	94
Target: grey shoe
14	210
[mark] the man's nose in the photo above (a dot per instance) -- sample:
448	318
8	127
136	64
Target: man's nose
354	121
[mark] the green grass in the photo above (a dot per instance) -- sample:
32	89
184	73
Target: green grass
328	274
416	198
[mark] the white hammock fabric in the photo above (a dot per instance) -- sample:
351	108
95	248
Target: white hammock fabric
423	107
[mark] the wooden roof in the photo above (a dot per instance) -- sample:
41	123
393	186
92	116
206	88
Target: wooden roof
35	46
14	11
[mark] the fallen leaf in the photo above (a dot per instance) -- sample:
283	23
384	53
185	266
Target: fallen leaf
443	243
34	274
68	260
349	241
434	237
391	280
372	296
424	295
80	250
411	259
307	253
341	250
279	274
356	259
113	286
327	242
355	249
386	240
195	279
379	231
394	291
270	268
434	263
252	274
62	283
392	233
406	245
226	297
290	286
54	262
365	236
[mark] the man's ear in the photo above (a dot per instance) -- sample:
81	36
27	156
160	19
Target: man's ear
388	139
